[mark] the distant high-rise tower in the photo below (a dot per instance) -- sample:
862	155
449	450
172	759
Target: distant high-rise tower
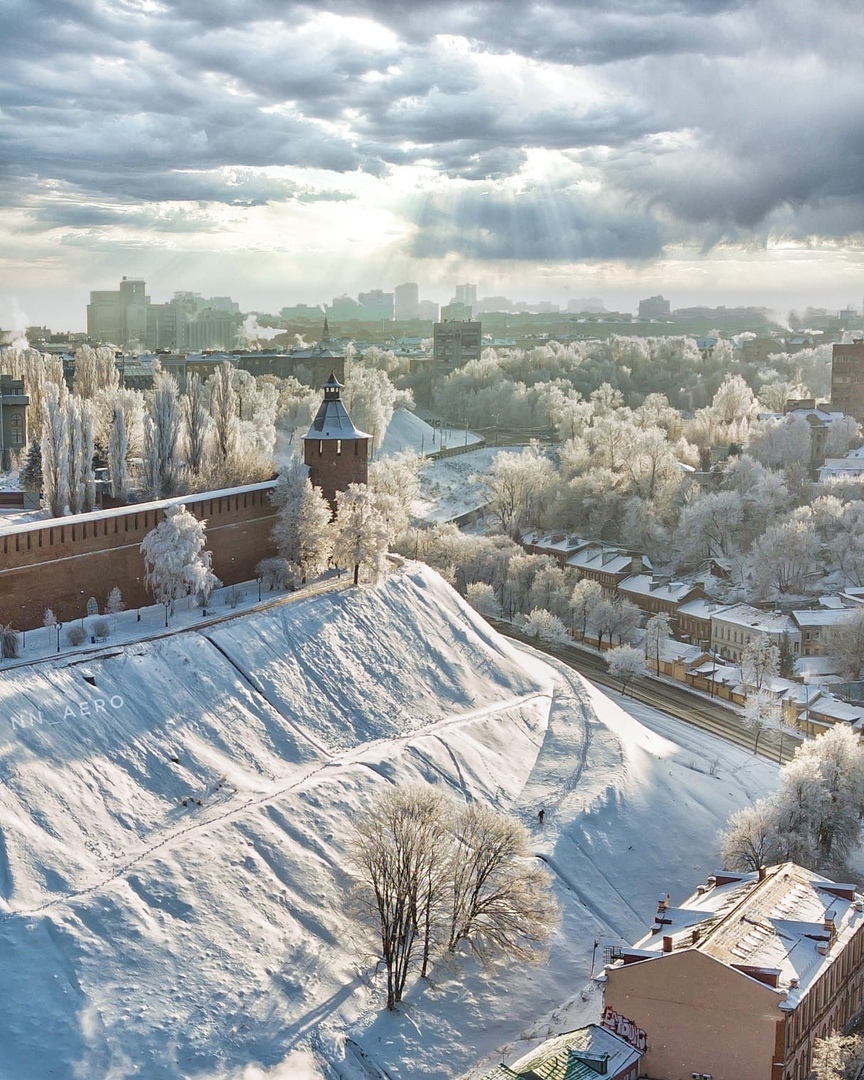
467	295
376	305
119	317
655	307
407	302
847	379
336	452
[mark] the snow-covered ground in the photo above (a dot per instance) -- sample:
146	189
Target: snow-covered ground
176	819
408	431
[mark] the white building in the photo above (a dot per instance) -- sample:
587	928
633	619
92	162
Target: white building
738	625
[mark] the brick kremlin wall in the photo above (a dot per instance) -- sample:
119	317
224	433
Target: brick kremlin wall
62	562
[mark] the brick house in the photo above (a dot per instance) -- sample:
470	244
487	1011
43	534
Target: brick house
739	982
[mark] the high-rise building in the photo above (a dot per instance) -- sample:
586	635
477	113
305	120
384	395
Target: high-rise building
455	343
655	307
456	311
377	305
119	317
467	295
429	310
188	322
407	302
847	379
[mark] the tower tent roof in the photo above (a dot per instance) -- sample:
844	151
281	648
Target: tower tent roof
332	420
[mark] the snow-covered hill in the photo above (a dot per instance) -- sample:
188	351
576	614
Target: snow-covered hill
176	817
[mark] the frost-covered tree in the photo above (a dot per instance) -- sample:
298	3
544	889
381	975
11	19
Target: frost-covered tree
162	438
500	898
542	624
617	618
151	465
398	854
95	370
626	663
55	449
10	641
30	473
118	449
761	712
362	531
176	563
814	818
275	573
837	1057
396	483
114	604
82	482
752	837
482	598
515	486
734	401
196	421
370	397
304	532
657	630
224	411
760	662
846	645
586	595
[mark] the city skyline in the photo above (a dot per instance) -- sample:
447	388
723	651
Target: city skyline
709	151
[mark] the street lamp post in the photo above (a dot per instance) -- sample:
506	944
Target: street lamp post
58	627
258	579
807	703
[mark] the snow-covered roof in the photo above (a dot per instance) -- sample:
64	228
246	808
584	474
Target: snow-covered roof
785	929
841	467
768	622
702	608
135	508
822	616
671	650
837	710
647	585
605	558
557	541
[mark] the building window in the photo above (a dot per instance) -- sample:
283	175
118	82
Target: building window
16	430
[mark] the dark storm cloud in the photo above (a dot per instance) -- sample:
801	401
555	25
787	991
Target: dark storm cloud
695	120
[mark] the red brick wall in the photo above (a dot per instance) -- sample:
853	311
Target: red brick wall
333	471
64	562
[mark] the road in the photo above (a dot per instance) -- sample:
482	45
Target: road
671	698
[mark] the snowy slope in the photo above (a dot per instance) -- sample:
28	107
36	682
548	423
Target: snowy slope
145	937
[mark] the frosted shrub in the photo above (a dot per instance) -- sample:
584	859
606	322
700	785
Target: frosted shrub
275	573
9	641
76	635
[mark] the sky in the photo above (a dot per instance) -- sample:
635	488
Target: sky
280	152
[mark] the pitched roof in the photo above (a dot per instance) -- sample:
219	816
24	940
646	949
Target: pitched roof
575	1055
783	929
332	420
